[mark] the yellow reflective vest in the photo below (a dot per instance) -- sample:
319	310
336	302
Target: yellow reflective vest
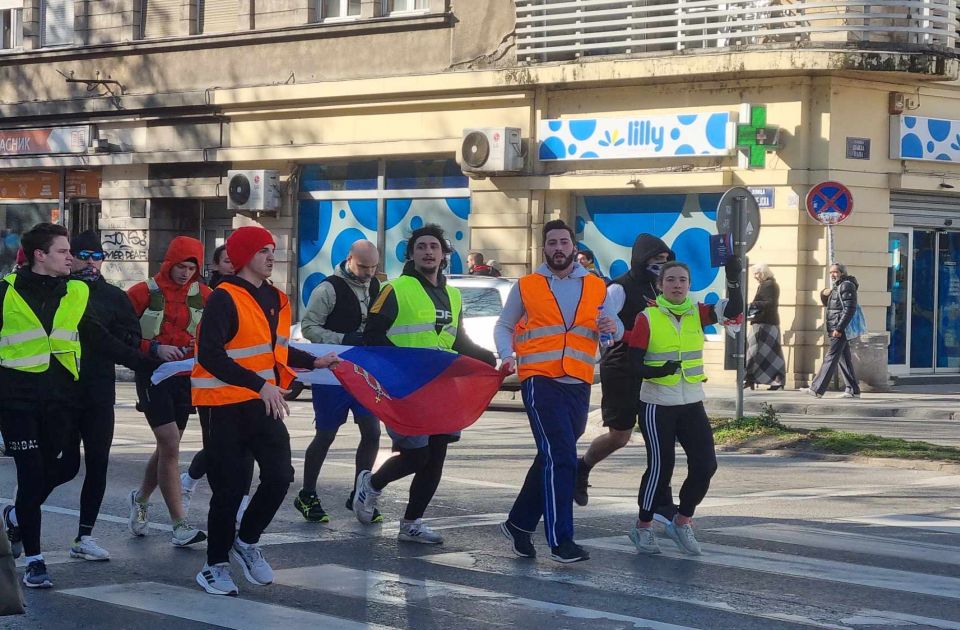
673	340
25	344
416	323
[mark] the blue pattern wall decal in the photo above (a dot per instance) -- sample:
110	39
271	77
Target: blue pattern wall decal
919	138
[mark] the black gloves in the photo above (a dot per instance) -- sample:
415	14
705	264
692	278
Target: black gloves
733	268
352	339
667	369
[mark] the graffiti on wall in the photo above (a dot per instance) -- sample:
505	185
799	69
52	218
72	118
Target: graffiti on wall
125	245
327	229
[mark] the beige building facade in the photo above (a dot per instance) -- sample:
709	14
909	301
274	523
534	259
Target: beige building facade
361	108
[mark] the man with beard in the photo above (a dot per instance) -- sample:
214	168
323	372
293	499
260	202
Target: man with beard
556	341
417	310
629	294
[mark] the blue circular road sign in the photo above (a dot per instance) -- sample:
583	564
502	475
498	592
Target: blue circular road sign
829	203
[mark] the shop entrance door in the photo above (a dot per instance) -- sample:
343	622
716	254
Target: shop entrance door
924	314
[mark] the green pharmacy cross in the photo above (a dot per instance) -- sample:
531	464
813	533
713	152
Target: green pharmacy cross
754	138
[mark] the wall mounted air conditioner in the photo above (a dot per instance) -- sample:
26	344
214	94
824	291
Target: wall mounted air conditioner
256	190
491	151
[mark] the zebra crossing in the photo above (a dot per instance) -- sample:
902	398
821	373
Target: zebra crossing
838	573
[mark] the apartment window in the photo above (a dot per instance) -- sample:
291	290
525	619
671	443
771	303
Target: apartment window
56	22
217	16
339	9
11	25
160	18
404	6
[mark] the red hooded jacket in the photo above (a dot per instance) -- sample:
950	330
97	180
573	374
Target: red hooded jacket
176	314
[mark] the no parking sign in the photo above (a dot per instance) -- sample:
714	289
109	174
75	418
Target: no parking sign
829	203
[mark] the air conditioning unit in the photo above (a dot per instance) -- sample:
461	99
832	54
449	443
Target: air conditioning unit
253	190
492	150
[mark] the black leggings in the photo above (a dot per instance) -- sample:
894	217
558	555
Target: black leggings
426	466
662	427
35	439
94	427
317	451
198	468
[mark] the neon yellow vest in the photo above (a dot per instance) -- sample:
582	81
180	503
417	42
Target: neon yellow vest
416	322
25	345
672	340
152	317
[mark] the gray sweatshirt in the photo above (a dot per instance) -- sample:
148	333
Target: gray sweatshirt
321	304
567	293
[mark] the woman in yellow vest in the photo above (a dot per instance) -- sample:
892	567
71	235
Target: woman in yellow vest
666	351
417	310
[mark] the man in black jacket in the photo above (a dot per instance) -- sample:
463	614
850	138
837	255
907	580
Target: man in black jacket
620	388
47	321
241	406
840	301
336	314
98	385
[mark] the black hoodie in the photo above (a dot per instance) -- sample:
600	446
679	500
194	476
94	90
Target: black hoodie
640	290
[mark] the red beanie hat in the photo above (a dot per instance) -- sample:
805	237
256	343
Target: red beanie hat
245	242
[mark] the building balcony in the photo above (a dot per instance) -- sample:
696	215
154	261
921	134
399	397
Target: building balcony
561	30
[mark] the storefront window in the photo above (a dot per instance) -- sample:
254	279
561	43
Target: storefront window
345	176
420	174
15	219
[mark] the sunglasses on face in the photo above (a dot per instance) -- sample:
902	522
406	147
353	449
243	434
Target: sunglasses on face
88	255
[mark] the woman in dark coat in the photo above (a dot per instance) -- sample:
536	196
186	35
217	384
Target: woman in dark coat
765	364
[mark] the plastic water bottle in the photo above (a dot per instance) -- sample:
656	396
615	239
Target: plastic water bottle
606	339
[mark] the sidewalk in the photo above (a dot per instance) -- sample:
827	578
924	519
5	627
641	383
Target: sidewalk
913	412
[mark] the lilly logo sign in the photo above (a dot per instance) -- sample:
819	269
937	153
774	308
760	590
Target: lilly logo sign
709	134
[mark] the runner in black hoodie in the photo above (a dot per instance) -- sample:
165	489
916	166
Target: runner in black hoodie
619	406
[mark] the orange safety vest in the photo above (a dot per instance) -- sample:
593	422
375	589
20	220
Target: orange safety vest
252	348
544	344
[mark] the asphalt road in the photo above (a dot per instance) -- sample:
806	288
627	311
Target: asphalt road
788	543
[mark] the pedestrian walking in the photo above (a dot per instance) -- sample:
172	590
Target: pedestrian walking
765	364
557	310
98	384
629	294
336	314
44	324
417	310
588	261
243	368
840	300
169	306
666	350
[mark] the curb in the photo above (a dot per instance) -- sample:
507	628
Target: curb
838	411
889	462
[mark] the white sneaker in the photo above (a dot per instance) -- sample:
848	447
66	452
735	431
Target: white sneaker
683	536
216	579
365	498
810	392
644	540
849	395
86	547
419	533
187	486
255	568
138	515
185	534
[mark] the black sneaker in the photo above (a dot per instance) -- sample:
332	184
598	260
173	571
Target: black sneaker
13	533
36	575
308	504
377	516
569	551
522	546
581	484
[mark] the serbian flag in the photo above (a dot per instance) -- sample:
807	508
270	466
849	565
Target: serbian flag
415	391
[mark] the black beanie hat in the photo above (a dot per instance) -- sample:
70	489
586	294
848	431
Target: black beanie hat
89	241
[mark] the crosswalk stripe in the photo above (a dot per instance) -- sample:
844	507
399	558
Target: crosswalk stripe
49	558
219	611
610	579
845	541
53	509
913	521
390	588
804	567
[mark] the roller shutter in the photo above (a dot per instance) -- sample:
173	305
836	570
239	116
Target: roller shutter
57	22
219	16
162	18
925	209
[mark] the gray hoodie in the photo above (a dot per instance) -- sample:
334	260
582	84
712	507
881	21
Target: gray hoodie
321	304
567	293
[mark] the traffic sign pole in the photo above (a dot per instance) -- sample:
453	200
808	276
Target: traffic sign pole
740	251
